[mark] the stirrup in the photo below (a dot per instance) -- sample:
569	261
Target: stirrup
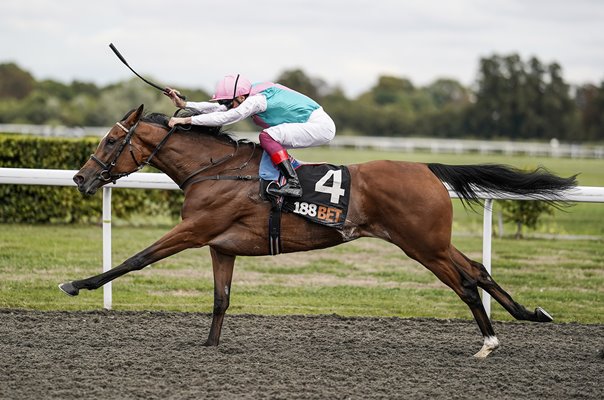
286	190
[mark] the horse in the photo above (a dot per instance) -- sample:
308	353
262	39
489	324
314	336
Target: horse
404	203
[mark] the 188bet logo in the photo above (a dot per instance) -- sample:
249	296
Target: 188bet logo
327	214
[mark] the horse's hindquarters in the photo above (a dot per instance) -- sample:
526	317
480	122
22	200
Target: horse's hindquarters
400	202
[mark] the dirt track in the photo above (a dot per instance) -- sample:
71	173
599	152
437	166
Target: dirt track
122	355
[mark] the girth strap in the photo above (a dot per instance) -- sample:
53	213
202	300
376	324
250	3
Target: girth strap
274	226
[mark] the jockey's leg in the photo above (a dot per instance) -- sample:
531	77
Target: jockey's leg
281	159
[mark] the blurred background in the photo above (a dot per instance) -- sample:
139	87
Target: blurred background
461	69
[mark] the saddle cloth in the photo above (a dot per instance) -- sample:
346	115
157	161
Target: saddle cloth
326	192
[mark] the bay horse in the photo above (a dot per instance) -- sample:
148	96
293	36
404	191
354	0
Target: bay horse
404	203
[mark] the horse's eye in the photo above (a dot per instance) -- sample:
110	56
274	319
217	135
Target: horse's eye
111	140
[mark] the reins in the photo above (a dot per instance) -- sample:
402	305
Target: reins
105	174
190	181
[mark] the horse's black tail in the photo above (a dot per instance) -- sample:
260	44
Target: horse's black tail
468	180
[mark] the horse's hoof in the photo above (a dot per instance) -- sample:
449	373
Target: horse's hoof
69	289
542	315
491	343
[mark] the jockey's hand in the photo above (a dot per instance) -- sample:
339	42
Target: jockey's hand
173	95
179	121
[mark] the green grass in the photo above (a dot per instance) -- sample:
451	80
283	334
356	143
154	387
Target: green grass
363	278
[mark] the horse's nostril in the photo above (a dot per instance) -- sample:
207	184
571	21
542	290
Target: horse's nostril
78	179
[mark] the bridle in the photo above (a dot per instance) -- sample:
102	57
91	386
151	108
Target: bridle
105	174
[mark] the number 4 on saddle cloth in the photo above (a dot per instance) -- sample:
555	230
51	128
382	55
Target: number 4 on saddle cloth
325	198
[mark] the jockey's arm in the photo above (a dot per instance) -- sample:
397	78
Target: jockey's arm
202	106
252	105
205	106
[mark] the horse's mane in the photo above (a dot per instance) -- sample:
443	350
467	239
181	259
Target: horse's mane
215	131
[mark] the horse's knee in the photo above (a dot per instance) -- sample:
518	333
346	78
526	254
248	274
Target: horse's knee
469	291
485	279
136	262
221	304
220	309
470	296
472	270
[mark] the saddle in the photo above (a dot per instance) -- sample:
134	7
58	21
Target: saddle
325	199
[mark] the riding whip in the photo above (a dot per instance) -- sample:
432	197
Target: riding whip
122	59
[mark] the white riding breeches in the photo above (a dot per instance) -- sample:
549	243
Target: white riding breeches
318	130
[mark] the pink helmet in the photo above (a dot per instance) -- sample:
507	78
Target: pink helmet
232	86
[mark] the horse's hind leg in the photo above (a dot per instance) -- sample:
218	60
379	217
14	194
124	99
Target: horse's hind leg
467	289
486	282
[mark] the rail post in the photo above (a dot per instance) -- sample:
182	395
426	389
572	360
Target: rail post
487	234
107	298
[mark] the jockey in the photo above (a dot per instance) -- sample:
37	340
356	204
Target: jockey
288	119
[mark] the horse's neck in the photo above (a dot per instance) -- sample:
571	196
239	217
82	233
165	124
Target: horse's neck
185	153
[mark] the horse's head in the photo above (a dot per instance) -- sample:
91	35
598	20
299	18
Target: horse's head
113	158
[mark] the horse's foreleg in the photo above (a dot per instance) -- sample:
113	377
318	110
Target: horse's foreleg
222	265
178	239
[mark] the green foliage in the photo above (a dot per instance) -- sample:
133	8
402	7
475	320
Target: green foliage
297	80
15	83
527	213
448	94
522	100
391	90
590	101
115	101
524	213
511	98
43	204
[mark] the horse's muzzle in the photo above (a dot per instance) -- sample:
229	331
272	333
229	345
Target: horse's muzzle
85	187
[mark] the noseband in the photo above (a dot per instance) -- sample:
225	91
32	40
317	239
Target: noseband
106	176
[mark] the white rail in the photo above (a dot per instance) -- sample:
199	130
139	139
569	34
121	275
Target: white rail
142	180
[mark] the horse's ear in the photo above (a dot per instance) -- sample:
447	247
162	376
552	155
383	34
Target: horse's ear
135	116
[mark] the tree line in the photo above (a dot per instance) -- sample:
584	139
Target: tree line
511	98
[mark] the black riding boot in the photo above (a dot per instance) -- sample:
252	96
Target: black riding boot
292	186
